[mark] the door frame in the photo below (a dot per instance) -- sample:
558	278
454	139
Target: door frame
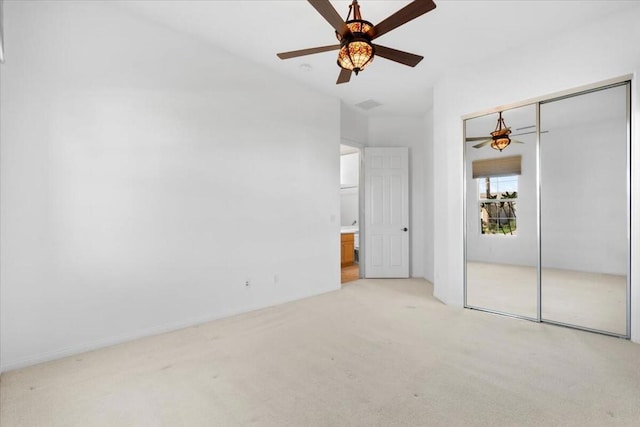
361	226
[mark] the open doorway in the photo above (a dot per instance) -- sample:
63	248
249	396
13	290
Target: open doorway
350	254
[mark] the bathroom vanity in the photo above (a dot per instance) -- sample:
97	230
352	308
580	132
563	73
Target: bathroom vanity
348	241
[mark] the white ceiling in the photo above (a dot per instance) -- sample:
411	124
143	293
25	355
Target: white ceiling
455	34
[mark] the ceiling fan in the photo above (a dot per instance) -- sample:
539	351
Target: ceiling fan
355	35
499	138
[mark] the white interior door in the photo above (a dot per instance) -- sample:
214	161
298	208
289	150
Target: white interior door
386	201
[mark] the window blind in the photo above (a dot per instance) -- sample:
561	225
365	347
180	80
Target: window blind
499	166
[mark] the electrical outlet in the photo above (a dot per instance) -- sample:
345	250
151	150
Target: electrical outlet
246	282
276	279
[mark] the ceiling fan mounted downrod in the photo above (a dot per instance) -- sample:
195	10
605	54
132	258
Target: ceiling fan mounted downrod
356	50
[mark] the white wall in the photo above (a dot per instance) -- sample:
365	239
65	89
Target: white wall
354	126
429	200
606	49
635	208
584	174
407	132
350	170
145	176
349	206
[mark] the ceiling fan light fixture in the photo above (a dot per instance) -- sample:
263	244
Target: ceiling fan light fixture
357	27
356	50
500	135
500	143
355	55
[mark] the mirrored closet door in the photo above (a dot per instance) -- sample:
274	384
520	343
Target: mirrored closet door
584	217
547	210
501	213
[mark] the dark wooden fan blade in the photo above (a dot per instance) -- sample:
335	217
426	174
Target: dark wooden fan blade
344	76
405	58
329	13
482	144
404	15
476	138
516	141
310	51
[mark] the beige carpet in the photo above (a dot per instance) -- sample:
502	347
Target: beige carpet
375	353
591	300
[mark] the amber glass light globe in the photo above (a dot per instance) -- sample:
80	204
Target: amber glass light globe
356	55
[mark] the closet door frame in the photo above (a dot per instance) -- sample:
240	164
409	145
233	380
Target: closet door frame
625	80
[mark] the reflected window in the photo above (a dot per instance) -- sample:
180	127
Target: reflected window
498	196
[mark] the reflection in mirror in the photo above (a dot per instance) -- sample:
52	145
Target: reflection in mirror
501	212
584	212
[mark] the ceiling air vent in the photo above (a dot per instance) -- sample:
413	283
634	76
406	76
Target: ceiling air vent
368	104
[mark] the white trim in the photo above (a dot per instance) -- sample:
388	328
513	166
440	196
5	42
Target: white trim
635	209
1	31
358	148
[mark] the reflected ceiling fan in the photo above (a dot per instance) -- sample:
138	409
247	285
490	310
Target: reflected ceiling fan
355	35
499	138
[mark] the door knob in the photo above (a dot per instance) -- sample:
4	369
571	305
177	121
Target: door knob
404	229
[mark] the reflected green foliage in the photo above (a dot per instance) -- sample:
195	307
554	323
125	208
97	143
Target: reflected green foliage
498	216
